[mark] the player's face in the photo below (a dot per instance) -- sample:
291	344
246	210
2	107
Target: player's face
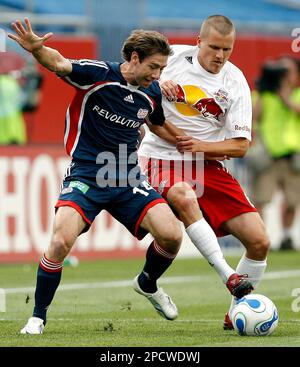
214	50
149	69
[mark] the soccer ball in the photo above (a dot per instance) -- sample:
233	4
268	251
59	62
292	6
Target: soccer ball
254	315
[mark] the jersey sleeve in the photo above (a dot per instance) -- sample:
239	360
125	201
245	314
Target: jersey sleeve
239	118
86	72
157	116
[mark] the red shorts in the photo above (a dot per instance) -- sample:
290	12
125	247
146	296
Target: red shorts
219	194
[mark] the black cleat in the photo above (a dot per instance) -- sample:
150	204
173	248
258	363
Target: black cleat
238	285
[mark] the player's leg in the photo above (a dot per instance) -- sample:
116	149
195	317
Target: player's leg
68	224
183	199
222	200
250	230
230	212
182	184
165	228
160	255
142	210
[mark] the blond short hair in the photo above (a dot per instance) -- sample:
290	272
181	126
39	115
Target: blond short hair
220	23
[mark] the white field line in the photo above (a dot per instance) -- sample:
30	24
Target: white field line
150	320
168	280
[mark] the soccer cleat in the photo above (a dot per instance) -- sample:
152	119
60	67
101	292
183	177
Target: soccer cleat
34	325
160	300
227	325
238	285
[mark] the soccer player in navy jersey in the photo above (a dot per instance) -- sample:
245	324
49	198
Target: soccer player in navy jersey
112	101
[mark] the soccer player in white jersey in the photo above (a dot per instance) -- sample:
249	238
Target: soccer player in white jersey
209	98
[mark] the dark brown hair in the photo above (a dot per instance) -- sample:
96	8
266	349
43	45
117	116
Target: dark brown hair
145	43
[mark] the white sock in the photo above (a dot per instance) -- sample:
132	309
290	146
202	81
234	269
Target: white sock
255	270
204	238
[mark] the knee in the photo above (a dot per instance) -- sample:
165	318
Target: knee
182	197
171	239
259	247
59	247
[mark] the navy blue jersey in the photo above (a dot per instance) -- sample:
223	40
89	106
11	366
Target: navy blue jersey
107	112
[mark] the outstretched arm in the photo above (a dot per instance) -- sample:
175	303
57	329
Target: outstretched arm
50	58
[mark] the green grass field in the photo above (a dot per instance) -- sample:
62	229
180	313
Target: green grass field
96	306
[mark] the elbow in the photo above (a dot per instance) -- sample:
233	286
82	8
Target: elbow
240	148
243	148
62	67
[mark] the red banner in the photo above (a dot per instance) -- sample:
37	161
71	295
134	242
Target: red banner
29	186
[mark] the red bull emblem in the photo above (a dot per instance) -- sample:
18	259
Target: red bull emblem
181	96
192	101
208	107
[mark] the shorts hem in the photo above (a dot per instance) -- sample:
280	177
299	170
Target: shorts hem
75	206
221	232
142	215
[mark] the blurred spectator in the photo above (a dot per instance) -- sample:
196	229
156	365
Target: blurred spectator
19	92
31	86
12	124
275	154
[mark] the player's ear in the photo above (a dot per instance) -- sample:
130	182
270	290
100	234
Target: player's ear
134	57
198	41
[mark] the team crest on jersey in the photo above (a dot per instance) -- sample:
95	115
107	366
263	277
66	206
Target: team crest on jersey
142	113
66	190
221	96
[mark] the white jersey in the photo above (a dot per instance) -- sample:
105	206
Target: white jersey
210	107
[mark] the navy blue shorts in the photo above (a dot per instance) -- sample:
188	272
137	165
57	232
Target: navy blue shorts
128	203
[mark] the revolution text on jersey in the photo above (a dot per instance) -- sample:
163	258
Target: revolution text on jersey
106	111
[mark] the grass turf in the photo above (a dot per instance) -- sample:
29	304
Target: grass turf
98	313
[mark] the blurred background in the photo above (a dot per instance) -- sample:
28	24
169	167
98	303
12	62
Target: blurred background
33	103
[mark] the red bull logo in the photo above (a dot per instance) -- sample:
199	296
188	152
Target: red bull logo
181	96
208	107
192	101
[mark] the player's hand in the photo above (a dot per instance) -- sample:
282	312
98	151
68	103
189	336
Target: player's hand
188	144
26	38
169	89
